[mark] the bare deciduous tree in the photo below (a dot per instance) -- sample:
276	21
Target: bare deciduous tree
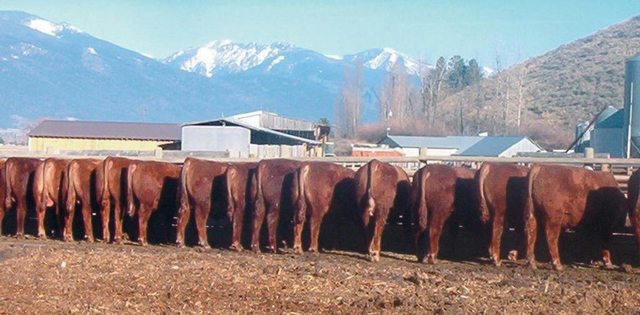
350	105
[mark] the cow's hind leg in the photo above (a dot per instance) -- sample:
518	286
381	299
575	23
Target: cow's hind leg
105	215
298	226
531	233
21	214
2	212
237	220
273	218
552	232
435	231
202	215
496	238
117	222
315	223
144	213
41	210
86	220
258	219
374	247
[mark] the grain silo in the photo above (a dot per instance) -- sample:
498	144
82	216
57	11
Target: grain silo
631	114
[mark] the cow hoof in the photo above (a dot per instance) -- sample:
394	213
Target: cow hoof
297	250
513	255
179	244
374	257
313	250
255	249
609	266
236	247
142	243
532	265
42	236
497	262
431	259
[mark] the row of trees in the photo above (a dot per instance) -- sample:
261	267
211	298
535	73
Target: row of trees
403	99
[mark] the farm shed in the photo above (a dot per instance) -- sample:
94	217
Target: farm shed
256	134
62	135
413	146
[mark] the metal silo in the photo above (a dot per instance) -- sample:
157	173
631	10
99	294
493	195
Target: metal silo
631	99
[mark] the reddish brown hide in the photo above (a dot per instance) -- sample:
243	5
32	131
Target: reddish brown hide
441	193
502	190
19	174
634	206
562	197
49	192
112	197
81	191
381	189
321	187
272	186
198	182
239	198
152	186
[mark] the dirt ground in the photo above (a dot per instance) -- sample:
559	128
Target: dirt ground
38	276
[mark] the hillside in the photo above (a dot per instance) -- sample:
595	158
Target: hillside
555	91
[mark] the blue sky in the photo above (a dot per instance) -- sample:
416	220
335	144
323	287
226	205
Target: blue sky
515	30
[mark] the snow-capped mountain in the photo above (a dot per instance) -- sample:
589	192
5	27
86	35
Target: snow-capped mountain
55	70
229	57
386	59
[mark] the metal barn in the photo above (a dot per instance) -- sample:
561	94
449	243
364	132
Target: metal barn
57	136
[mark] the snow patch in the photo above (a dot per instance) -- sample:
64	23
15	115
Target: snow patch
232	56
275	62
91	50
334	57
45	27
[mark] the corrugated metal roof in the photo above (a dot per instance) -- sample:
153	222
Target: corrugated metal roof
491	146
460	143
231	121
107	130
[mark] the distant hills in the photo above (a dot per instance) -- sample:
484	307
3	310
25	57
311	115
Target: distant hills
56	70
555	90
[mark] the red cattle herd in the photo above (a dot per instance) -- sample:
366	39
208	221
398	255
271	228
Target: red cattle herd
267	205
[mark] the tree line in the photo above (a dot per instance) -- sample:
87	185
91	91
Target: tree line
405	104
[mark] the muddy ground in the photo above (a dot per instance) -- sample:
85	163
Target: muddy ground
38	276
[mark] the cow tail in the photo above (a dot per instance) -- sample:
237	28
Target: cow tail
528	206
232	174
71	192
370	203
483	207
303	171
8	202
183	193
258	201
44	196
422	211
130	197
106	165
